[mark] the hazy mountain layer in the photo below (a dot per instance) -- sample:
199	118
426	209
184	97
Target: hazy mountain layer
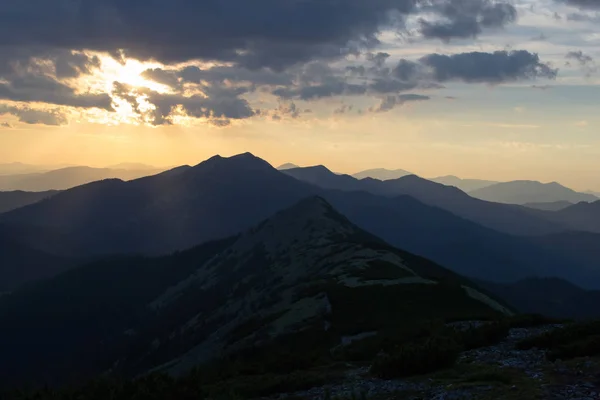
521	192
466	185
67	178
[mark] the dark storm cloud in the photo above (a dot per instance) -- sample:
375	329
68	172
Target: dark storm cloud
45	89
61	63
466	18
389	102
275	33
493	68
255	34
35	74
28	115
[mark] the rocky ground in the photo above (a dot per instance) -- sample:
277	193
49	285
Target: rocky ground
492	373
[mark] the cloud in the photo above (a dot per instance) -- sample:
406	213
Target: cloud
493	68
45	89
389	102
217	104
585	62
343	109
584	17
541	87
268	33
466	18
37	74
583	59
32	116
585	4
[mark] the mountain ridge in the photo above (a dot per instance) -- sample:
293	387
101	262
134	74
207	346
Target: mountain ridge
305	270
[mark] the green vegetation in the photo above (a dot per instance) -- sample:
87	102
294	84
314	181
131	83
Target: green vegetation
381	270
486	335
574	340
435	353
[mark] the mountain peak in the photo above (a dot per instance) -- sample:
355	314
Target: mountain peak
244	161
287	166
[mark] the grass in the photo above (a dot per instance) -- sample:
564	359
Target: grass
496	383
378	270
574	340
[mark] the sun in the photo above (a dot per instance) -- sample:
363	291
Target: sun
129	73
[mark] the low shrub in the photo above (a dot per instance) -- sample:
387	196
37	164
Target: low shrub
561	336
533	320
485	335
437	352
590	346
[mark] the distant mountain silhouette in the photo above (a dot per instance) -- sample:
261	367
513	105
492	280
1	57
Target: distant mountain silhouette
12	200
19	168
582	216
20	263
133	166
521	192
552	206
382	174
552	297
306	270
287	166
67	178
466	185
223	196
501	217
582	247
597	194
169	211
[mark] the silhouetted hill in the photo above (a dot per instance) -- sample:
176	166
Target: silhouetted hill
466	185
306	271
521	192
67	178
582	216
287	166
506	218
381	174
548	296
223	196
12	200
170	211
581	247
20	264
321	176
553	206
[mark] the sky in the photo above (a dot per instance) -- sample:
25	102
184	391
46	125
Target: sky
484	89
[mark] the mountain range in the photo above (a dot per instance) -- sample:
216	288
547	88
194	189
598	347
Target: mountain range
305	271
223	196
12	200
382	174
232	258
466	185
66	178
521	192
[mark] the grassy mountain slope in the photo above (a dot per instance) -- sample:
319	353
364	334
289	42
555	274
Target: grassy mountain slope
307	269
